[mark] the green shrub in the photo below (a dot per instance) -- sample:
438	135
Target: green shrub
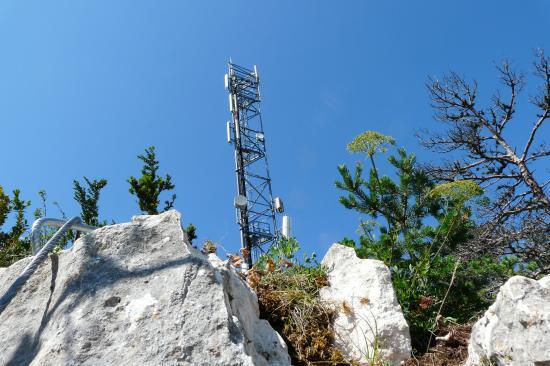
288	298
87	198
149	186
13	246
191	231
415	226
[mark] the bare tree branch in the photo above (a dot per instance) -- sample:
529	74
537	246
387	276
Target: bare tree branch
533	133
520	202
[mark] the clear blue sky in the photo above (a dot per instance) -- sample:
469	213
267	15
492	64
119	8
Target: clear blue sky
85	86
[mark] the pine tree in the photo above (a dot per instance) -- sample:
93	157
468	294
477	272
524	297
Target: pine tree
88	199
12	246
149	186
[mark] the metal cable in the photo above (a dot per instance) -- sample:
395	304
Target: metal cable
37	225
33	265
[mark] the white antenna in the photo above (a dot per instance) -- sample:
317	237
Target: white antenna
285	231
278	204
228	132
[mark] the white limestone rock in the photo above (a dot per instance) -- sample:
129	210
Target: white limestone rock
515	330
135	294
371	313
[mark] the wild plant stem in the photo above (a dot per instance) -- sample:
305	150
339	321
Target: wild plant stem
443	302
386	214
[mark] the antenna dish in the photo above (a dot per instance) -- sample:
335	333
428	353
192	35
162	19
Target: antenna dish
241	202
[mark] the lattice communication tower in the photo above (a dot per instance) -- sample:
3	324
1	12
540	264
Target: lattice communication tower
254	203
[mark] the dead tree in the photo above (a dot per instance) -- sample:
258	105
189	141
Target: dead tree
517	219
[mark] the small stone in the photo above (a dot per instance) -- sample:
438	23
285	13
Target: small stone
111	301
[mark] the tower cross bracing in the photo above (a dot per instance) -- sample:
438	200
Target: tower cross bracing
254	203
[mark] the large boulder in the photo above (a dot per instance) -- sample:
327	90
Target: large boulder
135	294
369	320
515	330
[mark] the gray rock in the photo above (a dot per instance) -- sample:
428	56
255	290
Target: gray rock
515	330
135	294
370	318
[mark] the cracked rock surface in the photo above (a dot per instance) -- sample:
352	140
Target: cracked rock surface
515	330
135	294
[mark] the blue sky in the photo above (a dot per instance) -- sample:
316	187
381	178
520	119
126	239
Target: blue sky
86	86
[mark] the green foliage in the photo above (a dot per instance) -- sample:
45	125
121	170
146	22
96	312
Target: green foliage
149	186
191	232
421	288
399	209
282	254
4	206
459	191
87	198
415	226
19	206
12	246
371	142
41	211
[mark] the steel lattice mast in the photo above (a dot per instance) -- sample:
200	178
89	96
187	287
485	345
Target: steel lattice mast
254	203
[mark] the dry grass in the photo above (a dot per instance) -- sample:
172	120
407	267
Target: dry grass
452	352
289	301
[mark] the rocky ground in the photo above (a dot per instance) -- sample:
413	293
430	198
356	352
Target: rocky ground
139	294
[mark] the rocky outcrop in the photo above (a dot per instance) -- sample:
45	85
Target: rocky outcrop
135	294
369	317
515	330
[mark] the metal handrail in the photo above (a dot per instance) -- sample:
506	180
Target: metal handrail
47	221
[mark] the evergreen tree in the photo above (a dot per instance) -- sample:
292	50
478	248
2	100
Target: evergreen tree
88	199
12	246
149	186
191	232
